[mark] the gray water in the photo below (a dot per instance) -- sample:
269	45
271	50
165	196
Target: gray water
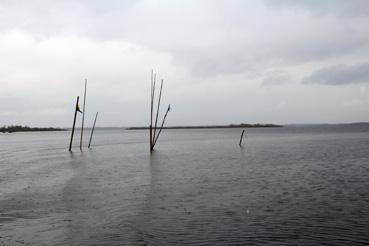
286	186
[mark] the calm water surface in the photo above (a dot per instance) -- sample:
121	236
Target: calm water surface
286	186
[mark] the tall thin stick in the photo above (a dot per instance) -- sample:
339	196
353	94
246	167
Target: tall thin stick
243	131
152	110
162	124
83	115
74	123
93	128
157	109
151	106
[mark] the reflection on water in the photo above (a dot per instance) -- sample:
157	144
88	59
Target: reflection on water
292	186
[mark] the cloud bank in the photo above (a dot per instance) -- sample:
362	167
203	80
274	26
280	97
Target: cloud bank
340	74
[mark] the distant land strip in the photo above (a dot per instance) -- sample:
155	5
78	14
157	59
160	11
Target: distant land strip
11	129
209	127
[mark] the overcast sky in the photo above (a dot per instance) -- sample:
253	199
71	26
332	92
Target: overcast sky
222	61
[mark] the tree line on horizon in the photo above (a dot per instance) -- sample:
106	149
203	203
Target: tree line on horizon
20	128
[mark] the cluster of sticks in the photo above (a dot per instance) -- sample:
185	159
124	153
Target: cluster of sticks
77	109
154	135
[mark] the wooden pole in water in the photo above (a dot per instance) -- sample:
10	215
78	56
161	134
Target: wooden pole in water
93	128
161	127
74	123
150	128
243	131
153	82
83	115
157	109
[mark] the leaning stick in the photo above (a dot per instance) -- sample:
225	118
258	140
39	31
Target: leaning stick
93	128
243	131
157	109
83	115
162	124
74	123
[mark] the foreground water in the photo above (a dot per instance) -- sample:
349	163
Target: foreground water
286	186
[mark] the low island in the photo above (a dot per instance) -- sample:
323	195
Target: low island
243	125
10	129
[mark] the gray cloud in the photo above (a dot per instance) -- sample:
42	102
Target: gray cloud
340	74
342	8
286	38
206	38
277	77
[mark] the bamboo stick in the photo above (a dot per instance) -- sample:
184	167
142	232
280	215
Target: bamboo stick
151	106
243	131
162	124
74	123
157	109
83	115
152	110
93	128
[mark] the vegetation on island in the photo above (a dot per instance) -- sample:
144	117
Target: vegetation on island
19	128
242	125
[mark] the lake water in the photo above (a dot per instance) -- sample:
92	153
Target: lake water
286	186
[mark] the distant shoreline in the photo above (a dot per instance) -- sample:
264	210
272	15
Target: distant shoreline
11	129
210	127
